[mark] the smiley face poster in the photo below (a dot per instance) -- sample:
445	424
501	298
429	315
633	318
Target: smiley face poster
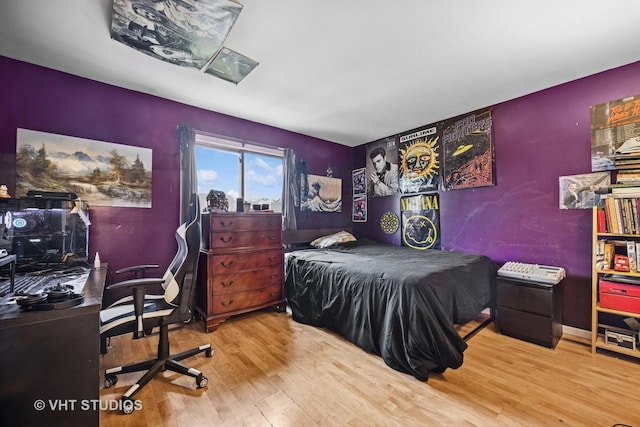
421	221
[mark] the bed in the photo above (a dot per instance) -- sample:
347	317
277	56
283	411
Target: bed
393	301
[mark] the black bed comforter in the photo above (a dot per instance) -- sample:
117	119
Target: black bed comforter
397	302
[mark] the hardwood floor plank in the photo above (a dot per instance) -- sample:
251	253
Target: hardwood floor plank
268	370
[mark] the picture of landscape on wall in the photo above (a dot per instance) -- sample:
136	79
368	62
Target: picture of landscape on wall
101	173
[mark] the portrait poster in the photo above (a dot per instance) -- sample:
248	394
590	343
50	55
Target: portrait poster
101	173
418	159
579	191
420	221
182	32
320	193
359	182
468	151
615	134
382	167
360	208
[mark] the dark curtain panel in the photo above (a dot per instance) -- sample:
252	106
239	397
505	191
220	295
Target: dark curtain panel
188	181
290	191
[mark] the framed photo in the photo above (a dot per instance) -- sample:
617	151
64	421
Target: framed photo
360	208
359	182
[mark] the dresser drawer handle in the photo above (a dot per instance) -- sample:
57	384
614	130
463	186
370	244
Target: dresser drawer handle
226	264
226	304
226	224
273	276
273	294
271	237
225	240
226	284
273	258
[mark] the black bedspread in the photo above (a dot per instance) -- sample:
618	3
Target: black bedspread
397	302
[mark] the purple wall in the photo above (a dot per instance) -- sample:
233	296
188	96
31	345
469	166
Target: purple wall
537	139
45	100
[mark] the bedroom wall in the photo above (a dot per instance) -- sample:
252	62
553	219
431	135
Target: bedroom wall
537	138
42	99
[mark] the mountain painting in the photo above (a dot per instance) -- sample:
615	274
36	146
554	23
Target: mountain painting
101	173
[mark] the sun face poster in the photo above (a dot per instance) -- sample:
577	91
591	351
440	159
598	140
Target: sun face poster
418	152
468	151
421	221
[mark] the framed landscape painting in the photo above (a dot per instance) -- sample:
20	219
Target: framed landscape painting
101	173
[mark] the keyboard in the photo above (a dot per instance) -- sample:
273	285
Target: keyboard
23	284
536	273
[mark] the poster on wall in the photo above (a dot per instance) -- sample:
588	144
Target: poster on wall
420	221
615	134
359	208
468	151
320	193
418	159
579	191
359	182
101	173
382	169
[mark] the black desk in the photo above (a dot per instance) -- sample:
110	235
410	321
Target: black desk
52	357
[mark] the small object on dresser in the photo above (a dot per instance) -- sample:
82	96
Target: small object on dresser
217	201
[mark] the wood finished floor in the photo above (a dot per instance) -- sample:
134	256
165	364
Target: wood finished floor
268	370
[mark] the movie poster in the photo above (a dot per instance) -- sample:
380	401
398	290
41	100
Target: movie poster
382	169
615	134
418	159
421	221
468	151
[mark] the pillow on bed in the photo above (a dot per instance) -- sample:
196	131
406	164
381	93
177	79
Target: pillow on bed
332	239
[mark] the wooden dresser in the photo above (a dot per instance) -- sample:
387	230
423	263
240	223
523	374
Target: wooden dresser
241	265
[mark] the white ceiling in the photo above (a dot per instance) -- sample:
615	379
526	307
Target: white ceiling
348	71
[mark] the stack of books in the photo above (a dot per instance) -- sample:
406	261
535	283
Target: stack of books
627	156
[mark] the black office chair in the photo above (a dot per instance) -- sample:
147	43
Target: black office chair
144	313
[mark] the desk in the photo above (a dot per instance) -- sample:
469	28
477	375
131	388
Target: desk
53	356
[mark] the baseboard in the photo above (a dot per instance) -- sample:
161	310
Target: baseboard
576	334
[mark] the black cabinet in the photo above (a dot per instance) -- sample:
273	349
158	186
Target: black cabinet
529	311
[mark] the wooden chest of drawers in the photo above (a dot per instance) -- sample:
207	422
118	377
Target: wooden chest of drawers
241	265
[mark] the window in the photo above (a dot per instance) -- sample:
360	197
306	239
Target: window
241	170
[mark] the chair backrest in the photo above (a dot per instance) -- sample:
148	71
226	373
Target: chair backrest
180	277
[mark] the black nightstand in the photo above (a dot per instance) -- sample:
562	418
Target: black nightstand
530	311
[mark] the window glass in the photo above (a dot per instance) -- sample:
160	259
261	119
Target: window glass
255	177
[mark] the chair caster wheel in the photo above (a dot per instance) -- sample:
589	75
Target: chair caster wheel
201	381
128	405
209	352
110	380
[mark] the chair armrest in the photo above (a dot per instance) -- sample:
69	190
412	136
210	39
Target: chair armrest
135	283
137	269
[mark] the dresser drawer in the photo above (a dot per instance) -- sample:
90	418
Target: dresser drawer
236	301
245	280
231	240
248	260
242	222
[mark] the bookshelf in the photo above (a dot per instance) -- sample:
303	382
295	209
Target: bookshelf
611	303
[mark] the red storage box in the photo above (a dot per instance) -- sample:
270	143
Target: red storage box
619	296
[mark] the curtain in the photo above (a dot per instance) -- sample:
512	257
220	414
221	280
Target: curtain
188	181
290	191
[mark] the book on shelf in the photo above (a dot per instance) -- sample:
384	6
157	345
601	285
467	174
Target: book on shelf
631	254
